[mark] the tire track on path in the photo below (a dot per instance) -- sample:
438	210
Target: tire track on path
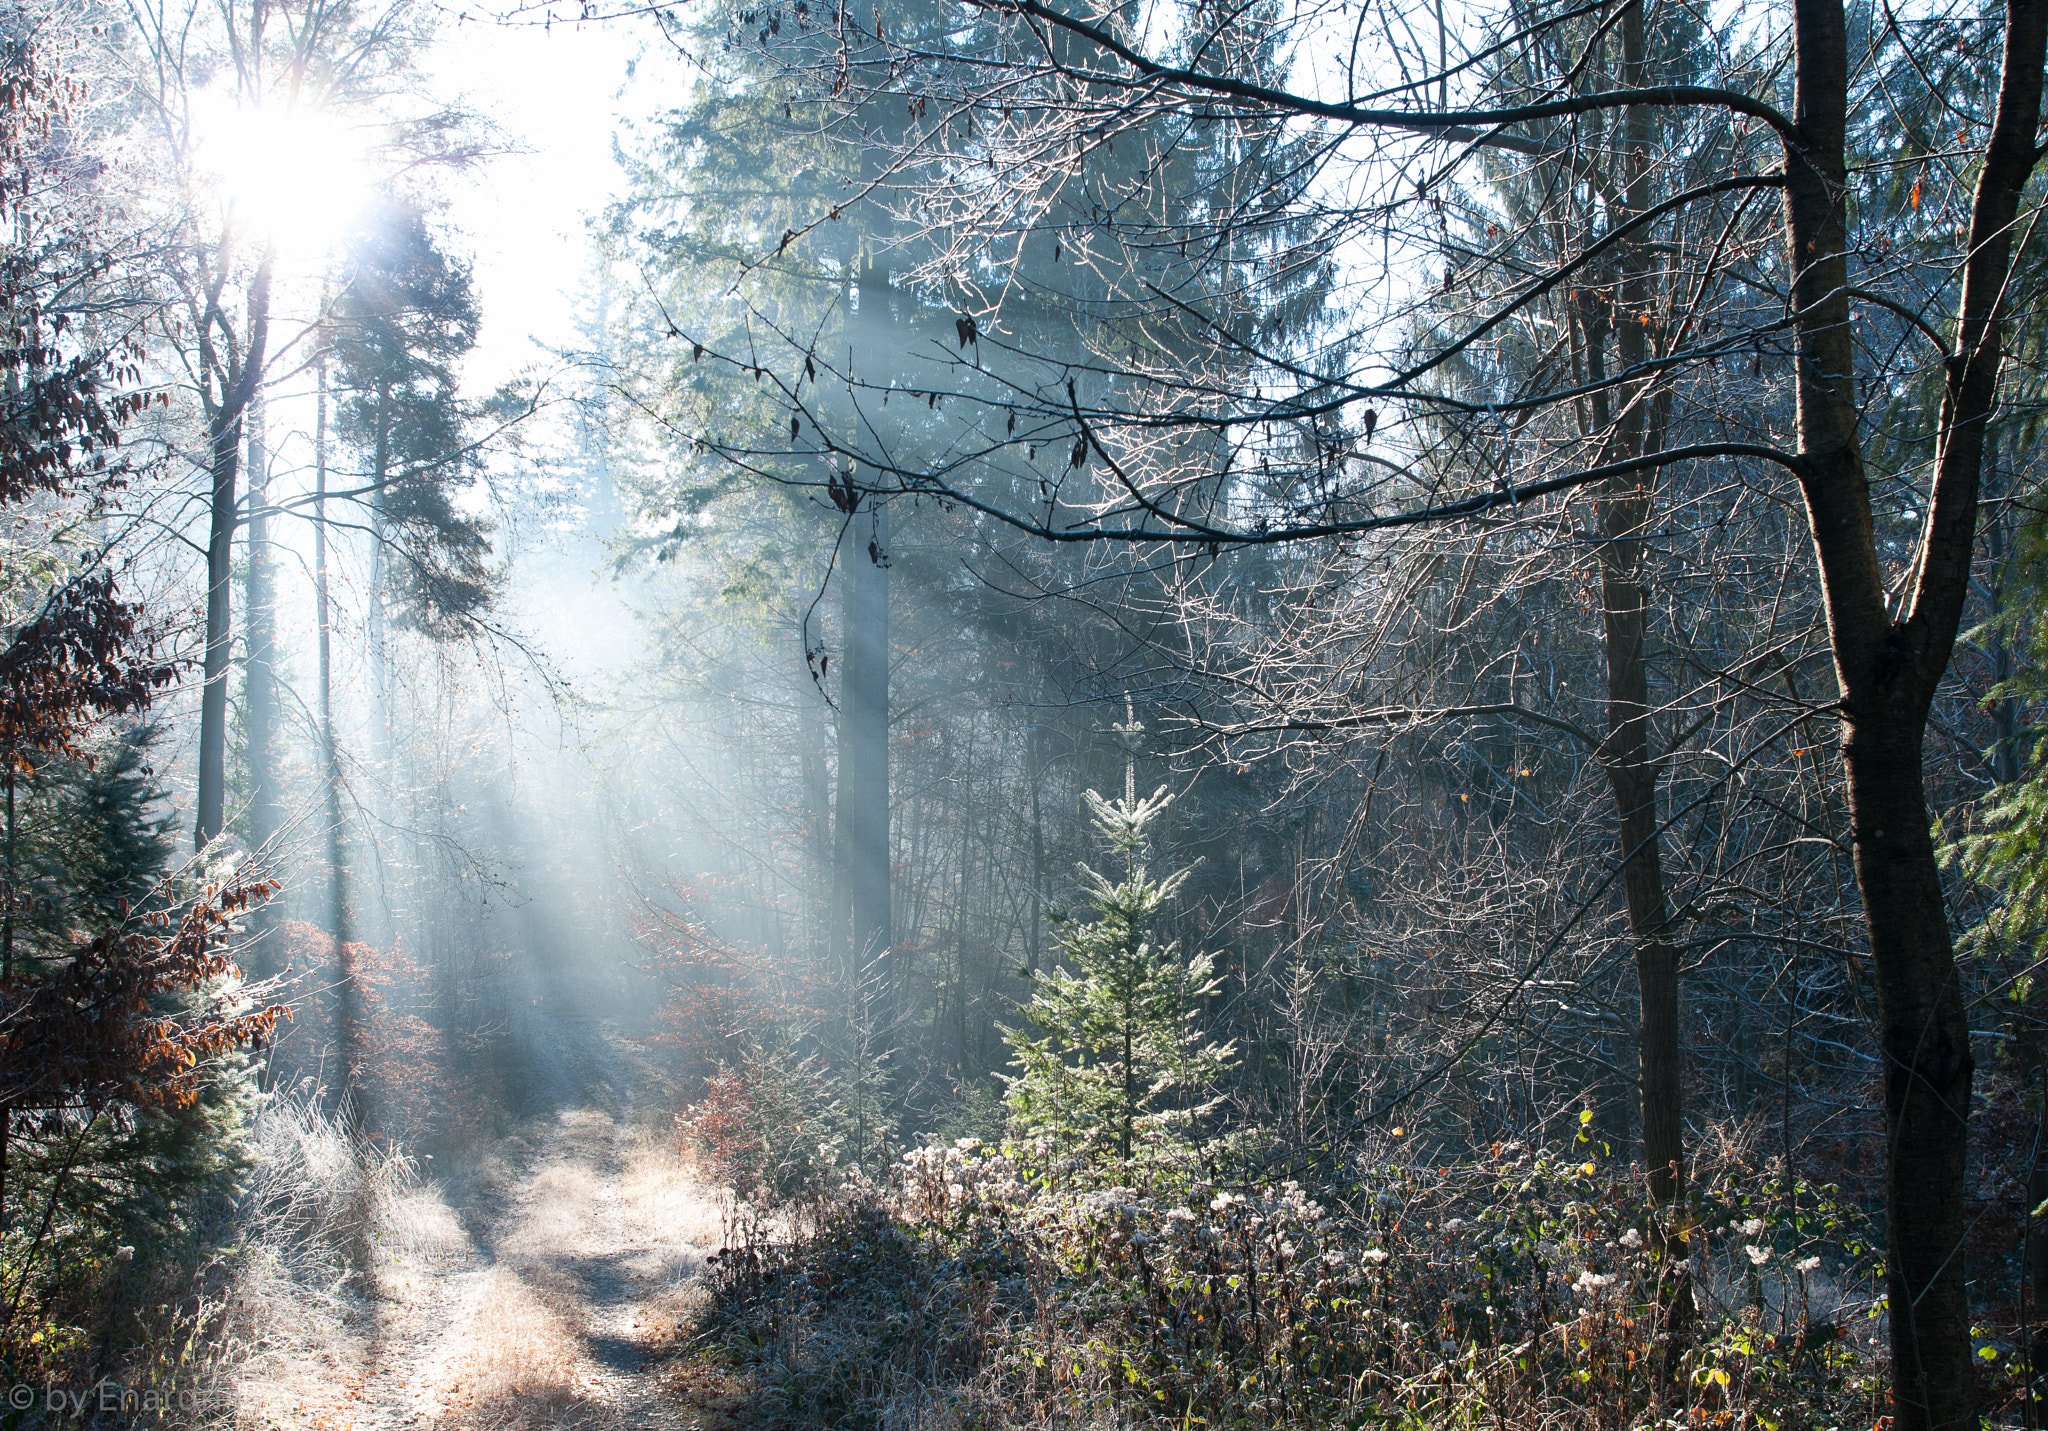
555	1307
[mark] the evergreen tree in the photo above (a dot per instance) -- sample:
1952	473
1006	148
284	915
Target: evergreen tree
94	839
2007	848
401	325
403	318
1118	1069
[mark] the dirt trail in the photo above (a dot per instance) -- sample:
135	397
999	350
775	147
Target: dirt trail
528	1297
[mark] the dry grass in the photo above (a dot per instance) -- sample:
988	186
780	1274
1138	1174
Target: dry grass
668	1205
554	1214
332	1230
365	1302
715	1396
519	1365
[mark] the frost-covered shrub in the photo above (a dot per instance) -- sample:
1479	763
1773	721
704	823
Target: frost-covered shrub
1521	1285
782	1131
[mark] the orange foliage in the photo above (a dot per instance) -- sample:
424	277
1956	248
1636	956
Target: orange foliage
95	1032
720	994
401	1066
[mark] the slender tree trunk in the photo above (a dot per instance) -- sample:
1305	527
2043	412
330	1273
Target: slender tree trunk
261	727
817	784
1038	882
351	1014
260	714
1632	775
350	1032
239	381
1627	754
330	748
1623	512
1887	670
348	1004
380	581
213	700
957	1014
861	831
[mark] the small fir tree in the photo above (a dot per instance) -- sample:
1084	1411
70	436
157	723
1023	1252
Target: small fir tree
1113	1065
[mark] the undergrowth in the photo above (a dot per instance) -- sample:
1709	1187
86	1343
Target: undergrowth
1522	1288
260	1275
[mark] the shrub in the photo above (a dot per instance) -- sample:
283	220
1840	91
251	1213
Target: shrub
1515	1287
781	1130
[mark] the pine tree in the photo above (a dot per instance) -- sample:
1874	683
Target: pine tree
401	325
1118	1069
94	840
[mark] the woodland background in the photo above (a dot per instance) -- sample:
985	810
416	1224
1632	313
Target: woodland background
1475	467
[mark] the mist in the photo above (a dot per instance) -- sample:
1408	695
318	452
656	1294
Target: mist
1021	715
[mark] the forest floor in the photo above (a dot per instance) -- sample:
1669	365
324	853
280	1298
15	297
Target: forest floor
546	1282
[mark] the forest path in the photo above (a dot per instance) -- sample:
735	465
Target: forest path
547	1299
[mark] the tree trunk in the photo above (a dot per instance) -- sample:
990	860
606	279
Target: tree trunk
381	730
1625	513
261	727
330	749
1632	776
1623	510
1887	671
260	711
1035	766
817	787
861	832
348	1031
239	381
213	700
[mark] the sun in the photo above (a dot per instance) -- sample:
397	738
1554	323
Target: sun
293	177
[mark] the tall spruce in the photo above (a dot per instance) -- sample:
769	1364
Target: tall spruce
403	316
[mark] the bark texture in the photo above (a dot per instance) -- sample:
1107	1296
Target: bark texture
1887	668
